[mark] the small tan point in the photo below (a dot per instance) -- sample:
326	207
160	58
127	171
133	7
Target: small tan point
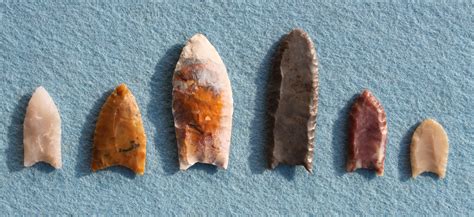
429	149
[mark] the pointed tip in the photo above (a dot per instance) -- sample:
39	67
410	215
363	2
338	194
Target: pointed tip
431	120
198	47
200	40
198	36
366	91
40	89
299	31
41	95
122	86
121	89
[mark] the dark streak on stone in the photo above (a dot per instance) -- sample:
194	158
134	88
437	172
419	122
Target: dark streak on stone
132	147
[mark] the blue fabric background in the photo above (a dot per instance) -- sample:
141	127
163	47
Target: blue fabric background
416	57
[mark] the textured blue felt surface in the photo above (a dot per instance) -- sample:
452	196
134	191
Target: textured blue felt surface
417	58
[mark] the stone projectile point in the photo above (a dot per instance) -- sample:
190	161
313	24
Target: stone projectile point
293	101
119	137
429	149
367	134
202	105
42	131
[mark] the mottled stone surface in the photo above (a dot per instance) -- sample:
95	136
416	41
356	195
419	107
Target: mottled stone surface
42	131
202	105
429	149
367	134
293	101
119	137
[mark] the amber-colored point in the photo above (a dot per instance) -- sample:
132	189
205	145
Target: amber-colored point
119	137
122	89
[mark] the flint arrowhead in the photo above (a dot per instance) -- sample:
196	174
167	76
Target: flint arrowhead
293	101
119	137
202	105
367	134
429	149
42	131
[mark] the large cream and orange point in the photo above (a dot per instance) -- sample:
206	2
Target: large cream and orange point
119	137
202	105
